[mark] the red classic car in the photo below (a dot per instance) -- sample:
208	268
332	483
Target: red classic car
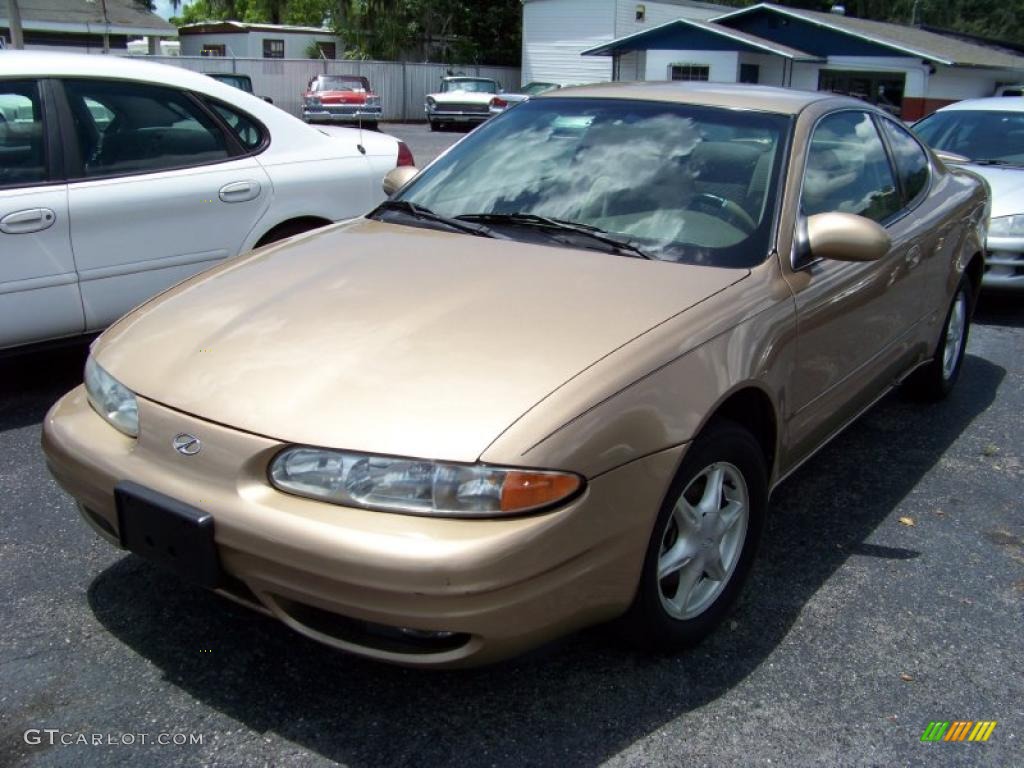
342	98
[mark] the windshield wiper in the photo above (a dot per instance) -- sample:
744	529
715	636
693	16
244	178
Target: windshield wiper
545	222
425	214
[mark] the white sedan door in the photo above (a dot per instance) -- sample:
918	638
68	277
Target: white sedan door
164	190
38	285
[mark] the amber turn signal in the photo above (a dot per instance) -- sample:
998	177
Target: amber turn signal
523	491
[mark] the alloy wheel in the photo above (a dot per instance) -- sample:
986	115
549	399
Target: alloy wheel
955	328
702	540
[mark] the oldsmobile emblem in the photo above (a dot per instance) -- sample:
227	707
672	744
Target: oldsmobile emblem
187	445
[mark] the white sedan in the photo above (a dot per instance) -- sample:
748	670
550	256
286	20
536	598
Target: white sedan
987	136
120	178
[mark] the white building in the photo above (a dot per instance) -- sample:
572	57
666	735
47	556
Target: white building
556	32
256	41
83	26
908	70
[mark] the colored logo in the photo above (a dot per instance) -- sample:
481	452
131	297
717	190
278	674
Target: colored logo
958	730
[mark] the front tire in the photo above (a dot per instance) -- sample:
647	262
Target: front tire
936	380
288	229
435	126
704	541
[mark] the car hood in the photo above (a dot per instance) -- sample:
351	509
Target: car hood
463	97
391	339
1007	187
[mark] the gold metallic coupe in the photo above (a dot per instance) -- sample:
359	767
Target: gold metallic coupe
550	382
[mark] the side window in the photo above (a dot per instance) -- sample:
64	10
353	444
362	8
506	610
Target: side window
126	128
911	161
22	138
273	49
244	127
848	170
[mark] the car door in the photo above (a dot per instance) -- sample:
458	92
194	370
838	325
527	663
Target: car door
930	235
162	189
39	296
854	319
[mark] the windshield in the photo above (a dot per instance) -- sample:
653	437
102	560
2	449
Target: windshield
472	86
681	182
982	135
335	83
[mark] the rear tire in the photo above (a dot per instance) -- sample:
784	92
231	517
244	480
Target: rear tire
936	380
704	541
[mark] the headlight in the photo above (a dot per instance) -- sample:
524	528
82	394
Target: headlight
418	487
312	101
1007	226
372	100
431	104
111	399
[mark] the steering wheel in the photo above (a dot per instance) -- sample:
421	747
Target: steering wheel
724	208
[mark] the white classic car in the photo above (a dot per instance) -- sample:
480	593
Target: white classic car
461	100
502	102
120	178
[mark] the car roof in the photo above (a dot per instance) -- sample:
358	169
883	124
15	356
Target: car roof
53	64
990	103
757	97
59	64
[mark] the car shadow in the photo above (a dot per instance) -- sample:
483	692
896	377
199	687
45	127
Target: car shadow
30	382
1006	309
575	702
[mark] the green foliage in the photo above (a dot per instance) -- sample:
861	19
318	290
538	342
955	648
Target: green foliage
457	31
466	31
303	12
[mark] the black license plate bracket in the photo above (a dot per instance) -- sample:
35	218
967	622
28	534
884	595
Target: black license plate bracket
168	532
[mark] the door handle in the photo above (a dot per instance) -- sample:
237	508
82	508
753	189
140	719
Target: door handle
29	220
913	257
239	191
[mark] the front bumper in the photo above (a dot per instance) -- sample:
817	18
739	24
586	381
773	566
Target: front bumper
341	113
1004	263
502	585
457	116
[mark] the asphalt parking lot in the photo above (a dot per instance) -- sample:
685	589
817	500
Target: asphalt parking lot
425	144
855	632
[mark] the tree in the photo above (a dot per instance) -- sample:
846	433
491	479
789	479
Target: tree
481	31
17	38
314	13
457	31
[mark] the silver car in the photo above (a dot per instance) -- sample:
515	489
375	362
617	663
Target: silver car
987	136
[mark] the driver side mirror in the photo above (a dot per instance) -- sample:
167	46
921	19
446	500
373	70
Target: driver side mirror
398	177
846	237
